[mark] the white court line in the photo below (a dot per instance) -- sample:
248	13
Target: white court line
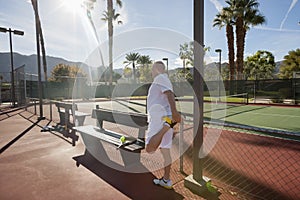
275	115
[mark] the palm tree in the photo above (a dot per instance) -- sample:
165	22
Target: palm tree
184	54
144	60
145	72
43	53
190	53
110	15
131	58
35	8
225	18
245	14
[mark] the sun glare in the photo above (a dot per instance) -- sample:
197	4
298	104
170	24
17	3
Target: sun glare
73	6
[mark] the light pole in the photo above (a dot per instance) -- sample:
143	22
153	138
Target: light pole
167	60
219	79
16	32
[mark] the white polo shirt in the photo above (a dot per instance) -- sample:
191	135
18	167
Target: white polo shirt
157	101
157	107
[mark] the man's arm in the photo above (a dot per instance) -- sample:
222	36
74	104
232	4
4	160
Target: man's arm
171	98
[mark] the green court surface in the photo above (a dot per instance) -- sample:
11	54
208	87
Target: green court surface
269	117
261	116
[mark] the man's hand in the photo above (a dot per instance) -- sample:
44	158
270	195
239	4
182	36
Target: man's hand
176	116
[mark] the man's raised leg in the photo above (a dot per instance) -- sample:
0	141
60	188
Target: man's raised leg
156	139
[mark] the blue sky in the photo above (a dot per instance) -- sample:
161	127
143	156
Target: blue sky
147	25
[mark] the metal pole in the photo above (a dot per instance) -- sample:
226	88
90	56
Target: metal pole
219	75
12	69
254	90
197	182
198	88
17	32
219	86
25	87
50	110
181	146
0	89
167	60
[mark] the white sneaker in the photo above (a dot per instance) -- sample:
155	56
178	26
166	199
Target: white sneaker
166	184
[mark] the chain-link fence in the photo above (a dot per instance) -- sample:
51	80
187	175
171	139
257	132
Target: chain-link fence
6	91
248	164
284	91
49	109
267	91
20	81
5	87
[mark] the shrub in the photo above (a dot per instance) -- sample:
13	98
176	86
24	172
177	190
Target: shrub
285	93
277	100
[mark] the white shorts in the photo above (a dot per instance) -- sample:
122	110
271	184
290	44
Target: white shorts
155	125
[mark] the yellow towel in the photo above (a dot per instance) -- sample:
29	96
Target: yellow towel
169	121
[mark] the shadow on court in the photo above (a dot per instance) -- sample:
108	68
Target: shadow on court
234	178
133	185
19	136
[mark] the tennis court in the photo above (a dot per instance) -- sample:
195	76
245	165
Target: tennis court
273	118
251	165
248	165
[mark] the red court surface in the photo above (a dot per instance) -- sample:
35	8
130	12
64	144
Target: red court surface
42	165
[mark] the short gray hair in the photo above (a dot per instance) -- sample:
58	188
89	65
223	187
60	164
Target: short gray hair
160	65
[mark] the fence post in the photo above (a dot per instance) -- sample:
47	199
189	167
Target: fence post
181	146
254	90
34	101
50	110
294	89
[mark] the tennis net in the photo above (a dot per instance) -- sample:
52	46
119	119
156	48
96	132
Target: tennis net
242	98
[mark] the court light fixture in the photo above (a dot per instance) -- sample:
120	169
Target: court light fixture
16	32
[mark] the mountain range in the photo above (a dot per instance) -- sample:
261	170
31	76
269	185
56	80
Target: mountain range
30	63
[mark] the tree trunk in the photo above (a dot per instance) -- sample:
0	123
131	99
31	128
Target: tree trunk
184	67
41	40
43	52
239	47
230	44
110	38
133	67
243	49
